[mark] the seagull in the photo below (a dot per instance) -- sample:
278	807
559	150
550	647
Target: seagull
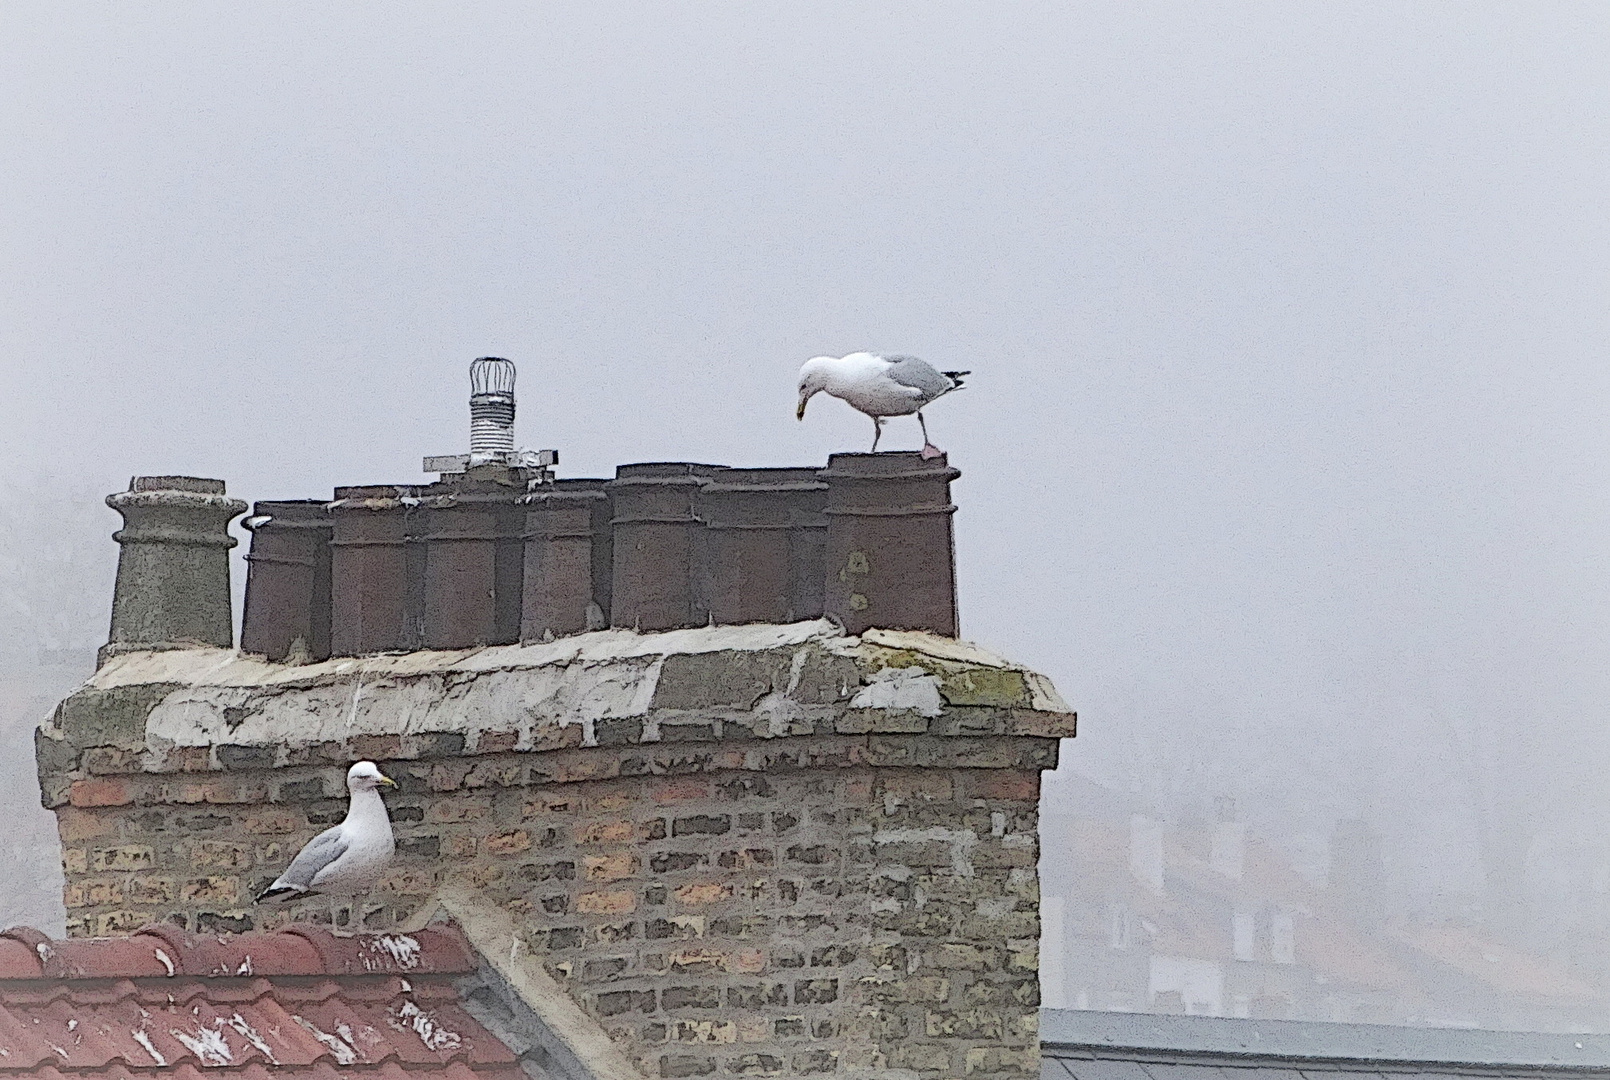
349	858
879	386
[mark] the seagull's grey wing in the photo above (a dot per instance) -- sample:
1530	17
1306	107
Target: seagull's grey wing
920	376
320	852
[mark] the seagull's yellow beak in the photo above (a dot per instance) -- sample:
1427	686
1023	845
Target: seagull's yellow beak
800	413
388	781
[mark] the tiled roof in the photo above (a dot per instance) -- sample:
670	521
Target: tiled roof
297	1003
1077	1045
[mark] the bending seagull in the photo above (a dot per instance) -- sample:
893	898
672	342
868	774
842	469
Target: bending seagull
879	386
348	859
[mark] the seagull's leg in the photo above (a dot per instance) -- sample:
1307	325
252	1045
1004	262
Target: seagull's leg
335	913
877	432
929	450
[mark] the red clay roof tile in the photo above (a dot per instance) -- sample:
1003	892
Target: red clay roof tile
294	1004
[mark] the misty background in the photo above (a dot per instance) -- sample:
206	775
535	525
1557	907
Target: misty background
1284	450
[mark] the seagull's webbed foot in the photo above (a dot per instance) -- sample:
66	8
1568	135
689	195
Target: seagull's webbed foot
877	428
929	450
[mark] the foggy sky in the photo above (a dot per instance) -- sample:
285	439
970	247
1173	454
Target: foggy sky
1284	449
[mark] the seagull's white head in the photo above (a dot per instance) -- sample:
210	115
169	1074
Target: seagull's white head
813	380
366	776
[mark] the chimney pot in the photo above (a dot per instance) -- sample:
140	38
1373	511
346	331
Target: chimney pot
567	558
891	559
173	566
759	549
658	545
372	571
288	580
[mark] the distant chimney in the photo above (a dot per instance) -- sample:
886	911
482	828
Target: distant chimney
173	569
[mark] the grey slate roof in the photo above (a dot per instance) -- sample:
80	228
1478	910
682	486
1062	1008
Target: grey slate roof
1076	1045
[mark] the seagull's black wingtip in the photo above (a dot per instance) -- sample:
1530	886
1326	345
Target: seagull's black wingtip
271	893
955	376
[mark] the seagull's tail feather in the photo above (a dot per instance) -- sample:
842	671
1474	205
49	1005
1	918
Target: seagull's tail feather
955	377
277	891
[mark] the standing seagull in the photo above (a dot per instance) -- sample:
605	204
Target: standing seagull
879	386
347	859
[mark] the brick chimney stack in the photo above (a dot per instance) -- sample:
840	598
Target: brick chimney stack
704	736
743	850
173	569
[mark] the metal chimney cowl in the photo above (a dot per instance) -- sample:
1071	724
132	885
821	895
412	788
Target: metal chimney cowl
492	432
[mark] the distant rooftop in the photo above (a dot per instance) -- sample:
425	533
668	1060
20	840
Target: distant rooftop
1139	1046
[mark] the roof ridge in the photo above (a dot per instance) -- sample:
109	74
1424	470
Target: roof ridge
163	950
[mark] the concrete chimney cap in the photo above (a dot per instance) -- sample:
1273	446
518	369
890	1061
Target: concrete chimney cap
175	492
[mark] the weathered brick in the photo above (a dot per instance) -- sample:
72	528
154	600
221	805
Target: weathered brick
221	922
211	890
813	1062
496	742
620	1002
272	823
611	867
219	855
146	889
1012	784
690	997
704	892
683	790
93	893
99	792
718	1032
506	842
921	1057
246	757
117	923
681	1065
816	991
605	831
378	748
123	857
746	961
566	937
97	760
702	825
300	790
683	961
75	825
756	1065
448	775
964	1024
607	902
459	809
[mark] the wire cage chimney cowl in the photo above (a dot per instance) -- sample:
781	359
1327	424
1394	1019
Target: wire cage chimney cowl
492	427
491	406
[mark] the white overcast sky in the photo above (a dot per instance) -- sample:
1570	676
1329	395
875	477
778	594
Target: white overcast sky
1285	448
